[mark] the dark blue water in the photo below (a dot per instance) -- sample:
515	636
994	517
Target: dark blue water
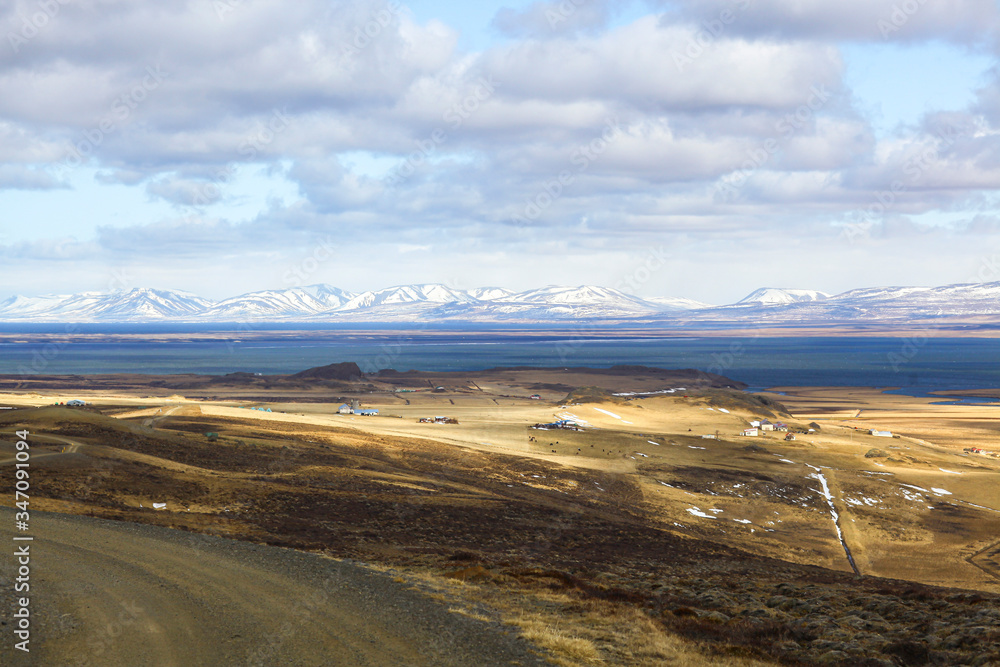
934	365
929	393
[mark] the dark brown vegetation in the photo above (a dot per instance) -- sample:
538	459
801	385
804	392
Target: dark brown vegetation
340	381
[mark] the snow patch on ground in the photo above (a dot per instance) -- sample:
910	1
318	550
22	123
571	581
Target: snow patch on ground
649	393
821	478
697	512
610	414
570	417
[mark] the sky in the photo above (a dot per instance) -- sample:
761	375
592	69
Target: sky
667	148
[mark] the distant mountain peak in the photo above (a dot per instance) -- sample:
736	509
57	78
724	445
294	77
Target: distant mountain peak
578	294
676	303
781	296
490	293
407	294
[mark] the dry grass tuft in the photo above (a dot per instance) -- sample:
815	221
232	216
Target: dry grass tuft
471	614
566	649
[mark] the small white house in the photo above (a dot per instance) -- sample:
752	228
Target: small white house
880	434
345	409
766	426
754	432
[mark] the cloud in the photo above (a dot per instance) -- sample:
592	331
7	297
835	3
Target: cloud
963	22
544	19
61	250
16	177
185	192
652	68
120	177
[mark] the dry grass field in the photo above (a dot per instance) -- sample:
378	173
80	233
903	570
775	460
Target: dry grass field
634	540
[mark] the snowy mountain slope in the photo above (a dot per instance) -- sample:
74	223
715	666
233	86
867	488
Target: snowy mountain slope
278	303
953	300
329	296
780	296
668	303
584	295
881	304
145	304
403	294
490	293
141	304
37	306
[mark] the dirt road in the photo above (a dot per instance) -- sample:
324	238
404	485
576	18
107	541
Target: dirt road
108	593
71	447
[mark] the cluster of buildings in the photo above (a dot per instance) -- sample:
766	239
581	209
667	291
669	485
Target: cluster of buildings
355	409
981	452
759	426
561	424
438	420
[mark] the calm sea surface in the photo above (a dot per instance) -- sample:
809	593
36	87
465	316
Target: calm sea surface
935	364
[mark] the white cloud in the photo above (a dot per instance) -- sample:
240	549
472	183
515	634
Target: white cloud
17	177
961	21
544	19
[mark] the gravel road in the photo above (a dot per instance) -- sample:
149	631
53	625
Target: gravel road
109	593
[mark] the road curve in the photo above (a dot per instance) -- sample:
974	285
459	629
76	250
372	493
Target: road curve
72	447
111	593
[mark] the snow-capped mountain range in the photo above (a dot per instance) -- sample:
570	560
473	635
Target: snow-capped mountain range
436	303
772	296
